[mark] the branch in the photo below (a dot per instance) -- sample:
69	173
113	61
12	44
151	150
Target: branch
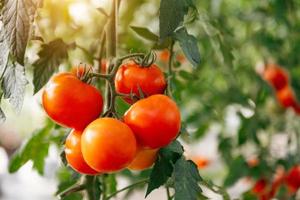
76	188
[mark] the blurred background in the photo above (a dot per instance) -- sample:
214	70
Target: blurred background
235	129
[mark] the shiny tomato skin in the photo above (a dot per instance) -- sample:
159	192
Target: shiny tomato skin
292	179
155	121
108	145
71	102
276	76
286	97
130	77
144	159
74	155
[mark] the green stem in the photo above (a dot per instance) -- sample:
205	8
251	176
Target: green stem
103	187
76	188
127	187
170	69
90	182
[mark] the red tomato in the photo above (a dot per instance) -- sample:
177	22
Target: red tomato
276	76
292	179
277	181
201	162
74	155
286	97
80	70
144	159
155	121
260	187
131	76
108	145
71	102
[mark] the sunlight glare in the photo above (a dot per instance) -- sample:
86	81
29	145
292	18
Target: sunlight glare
79	11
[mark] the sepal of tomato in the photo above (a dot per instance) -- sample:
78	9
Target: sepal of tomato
108	145
131	78
71	102
74	156
155	121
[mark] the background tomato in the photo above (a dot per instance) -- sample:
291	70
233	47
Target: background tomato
286	97
131	76
143	159
108	145
276	76
155	121
74	155
292	179
71	102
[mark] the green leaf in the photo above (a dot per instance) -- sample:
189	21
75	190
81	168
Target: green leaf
163	167
237	169
51	56
13	84
4	52
188	44
93	187
111	183
171	16
145	33
36	149
17	17
186	180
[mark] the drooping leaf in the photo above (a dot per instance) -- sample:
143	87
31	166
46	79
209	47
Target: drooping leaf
17	17
186	180
36	149
171	16
4	52
13	84
188	44
51	56
163	167
145	33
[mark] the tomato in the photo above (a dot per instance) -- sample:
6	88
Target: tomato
108	145
71	102
252	162
144	159
164	56
130	77
276	76
80	70
74	155
155	121
292	179
277	181
286	97
260	187
201	162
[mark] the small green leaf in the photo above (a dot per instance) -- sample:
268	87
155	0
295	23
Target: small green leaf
145	33
186	180
163	166
50	57
36	149
111	183
188	44
239	167
13	85
171	16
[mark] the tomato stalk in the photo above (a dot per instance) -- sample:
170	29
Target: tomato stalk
71	190
170	69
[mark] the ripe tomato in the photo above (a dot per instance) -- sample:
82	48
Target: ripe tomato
130	77
80	70
260	187
74	155
276	76
71	102
155	121
108	145
201	162
286	97
292	179
143	159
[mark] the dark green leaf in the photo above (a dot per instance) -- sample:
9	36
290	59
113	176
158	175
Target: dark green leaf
111	183
50	57
17	19
171	16
145	33
237	169
36	149
188	43
163	166
13	84
186	180
93	187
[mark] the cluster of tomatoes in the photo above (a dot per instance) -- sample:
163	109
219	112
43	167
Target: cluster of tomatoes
278	78
266	190
106	144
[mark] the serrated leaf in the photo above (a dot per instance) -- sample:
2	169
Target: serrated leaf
186	180
17	17
171	16
36	149
163	166
145	33
188	44
14	84
51	56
